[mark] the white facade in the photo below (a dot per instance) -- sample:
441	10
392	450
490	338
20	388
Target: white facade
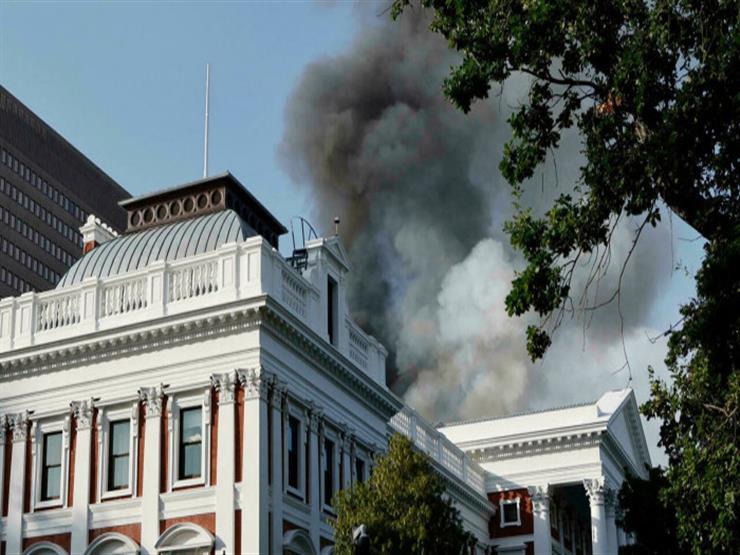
213	402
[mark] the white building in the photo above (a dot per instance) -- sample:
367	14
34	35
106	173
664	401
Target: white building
186	389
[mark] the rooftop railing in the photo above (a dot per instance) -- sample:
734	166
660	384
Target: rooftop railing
233	272
440	449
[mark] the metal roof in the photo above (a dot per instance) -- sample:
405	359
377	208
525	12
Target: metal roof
168	242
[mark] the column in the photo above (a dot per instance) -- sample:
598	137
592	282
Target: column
610	499
595	491
540	496
225	384
347	440
82	411
277	403
14	524
3	437
314	473
254	473
151	397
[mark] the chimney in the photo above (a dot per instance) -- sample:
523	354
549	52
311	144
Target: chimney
94	233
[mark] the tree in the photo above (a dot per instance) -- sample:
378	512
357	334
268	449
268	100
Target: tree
654	525
403	506
654	92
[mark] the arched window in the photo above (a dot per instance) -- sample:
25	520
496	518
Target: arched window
112	543
184	538
44	548
297	542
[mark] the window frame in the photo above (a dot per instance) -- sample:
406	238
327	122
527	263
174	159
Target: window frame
513	501
359	459
300	416
176	403
332	436
39	430
106	417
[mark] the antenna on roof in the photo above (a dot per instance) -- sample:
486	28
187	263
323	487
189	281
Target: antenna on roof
205	138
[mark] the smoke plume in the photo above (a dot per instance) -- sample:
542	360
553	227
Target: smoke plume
422	203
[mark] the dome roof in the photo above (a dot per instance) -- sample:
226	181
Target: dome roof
167	242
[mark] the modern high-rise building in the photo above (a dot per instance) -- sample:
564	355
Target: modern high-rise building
47	190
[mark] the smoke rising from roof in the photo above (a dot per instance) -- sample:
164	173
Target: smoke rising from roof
422	203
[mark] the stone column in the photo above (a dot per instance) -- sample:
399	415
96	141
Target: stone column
3	438
254	504
151	397
610	499
540	496
278	394
347	440
225	384
314	474
82	411
14	524
595	490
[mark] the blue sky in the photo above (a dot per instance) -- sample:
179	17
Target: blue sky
124	82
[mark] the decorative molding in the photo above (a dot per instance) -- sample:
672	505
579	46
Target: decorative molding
314	416
19	424
536	447
151	397
256	383
3	428
540	496
225	384
595	490
83	413
278	393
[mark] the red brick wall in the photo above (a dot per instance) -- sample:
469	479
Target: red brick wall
72	457
6	470
165	446
525	508
140	458
205	520
132	531
62	540
239	439
28	477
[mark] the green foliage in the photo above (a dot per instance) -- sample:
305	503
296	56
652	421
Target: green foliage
403	507
653	89
650	521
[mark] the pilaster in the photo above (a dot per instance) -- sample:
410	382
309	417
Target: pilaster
82	411
610	502
278	395
596	491
254	473
225	384
540	496
314	472
347	448
151	398
19	424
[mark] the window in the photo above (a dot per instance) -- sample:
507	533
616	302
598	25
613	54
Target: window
51	469
191	438
329	471
509	509
118	454
331	303
359	469
294	431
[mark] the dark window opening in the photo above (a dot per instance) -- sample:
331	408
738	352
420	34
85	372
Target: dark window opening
328	471
190	443
331	303
51	472
118	454
293	446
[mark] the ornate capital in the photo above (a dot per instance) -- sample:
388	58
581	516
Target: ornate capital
348	439
83	413
225	384
151	397
278	393
595	490
256	384
610	501
540	496
19	424
3	428
315	416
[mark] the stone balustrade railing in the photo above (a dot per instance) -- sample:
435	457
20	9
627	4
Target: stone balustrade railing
233	272
440	449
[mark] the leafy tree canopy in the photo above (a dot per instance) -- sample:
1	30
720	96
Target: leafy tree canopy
653	89
403	506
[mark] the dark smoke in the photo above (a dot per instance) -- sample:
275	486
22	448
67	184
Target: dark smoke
422	203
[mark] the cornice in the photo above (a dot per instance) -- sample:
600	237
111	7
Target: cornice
100	346
536	446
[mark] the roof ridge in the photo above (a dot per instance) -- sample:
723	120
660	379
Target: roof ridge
513	415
